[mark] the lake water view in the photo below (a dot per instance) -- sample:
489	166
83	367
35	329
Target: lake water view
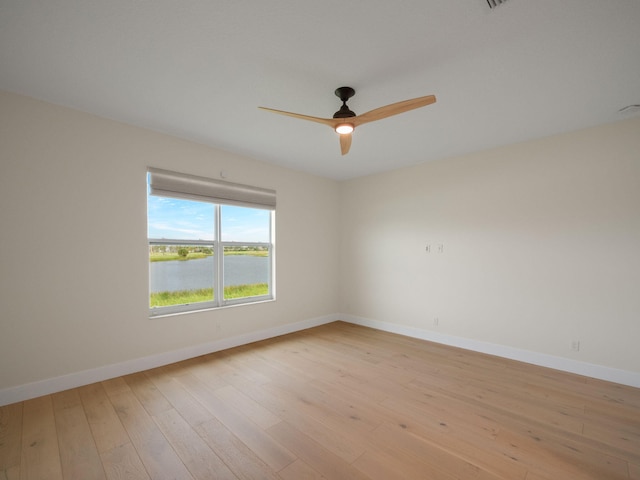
198	273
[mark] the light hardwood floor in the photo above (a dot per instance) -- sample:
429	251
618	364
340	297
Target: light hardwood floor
334	402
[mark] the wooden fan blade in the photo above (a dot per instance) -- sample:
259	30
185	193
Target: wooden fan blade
393	109
345	143
332	122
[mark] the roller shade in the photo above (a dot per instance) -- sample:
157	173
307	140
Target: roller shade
192	187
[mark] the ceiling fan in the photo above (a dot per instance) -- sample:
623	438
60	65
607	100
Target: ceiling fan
344	121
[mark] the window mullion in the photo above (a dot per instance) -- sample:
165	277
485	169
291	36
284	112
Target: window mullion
219	258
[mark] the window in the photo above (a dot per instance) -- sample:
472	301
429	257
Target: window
210	243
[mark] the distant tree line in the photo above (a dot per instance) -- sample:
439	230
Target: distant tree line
185	250
182	250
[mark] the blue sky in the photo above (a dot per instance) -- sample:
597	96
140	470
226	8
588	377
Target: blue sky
173	218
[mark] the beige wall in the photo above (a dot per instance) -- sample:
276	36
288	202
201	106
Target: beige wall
74	281
541	246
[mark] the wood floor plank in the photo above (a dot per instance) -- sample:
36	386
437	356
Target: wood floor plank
236	455
269	451
538	476
10	436
123	463
523	424
337	412
190	409
116	385
476	446
249	407
211	370
78	453
348	447
367	413
313	454
299	470
147	393
595	456
40	452
546	454
400	441
157	455
569	419
361	358
237	360
447	413
612	393
11	473
625	437
382	465
107	430
201	461
338	401
512	429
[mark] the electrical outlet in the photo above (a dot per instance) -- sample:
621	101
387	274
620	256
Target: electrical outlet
440	248
427	249
436	321
575	345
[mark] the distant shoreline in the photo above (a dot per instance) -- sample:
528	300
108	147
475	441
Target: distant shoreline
169	257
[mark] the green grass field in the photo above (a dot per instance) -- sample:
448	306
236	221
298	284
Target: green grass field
182	297
167	257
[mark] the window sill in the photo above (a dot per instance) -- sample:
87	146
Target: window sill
153	315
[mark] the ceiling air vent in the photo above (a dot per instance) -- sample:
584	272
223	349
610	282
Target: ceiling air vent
495	3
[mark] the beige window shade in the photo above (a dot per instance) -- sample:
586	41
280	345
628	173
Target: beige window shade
192	187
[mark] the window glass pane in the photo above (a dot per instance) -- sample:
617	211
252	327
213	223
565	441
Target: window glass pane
242	224
172	218
190	261
246	271
180	274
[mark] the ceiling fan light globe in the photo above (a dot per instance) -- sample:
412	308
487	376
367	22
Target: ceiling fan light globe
344	128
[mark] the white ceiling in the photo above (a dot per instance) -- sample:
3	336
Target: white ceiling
199	69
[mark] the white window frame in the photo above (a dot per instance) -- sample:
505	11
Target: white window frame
177	185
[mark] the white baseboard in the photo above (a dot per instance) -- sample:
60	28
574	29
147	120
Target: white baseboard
86	377
615	375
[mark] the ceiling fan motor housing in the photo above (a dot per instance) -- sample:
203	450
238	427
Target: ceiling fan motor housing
344	112
344	94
